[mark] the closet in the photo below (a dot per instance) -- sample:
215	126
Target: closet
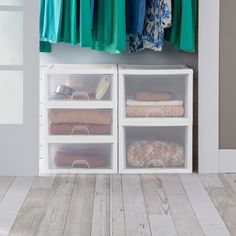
166	123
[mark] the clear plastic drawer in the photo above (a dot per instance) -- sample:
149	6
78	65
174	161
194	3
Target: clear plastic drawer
79	156
156	95
155	147
75	87
80	122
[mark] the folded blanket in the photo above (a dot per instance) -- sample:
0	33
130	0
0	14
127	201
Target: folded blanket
155	109
150	103
151	154
84	116
148	96
79	129
80	159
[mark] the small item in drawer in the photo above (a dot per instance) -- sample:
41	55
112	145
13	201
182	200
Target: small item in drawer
155	109
79	129
83	158
155	154
102	88
151	96
64	90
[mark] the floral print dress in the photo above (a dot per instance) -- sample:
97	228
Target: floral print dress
158	17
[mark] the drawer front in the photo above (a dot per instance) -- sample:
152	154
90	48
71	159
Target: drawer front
79	87
156	96
79	156
156	147
80	122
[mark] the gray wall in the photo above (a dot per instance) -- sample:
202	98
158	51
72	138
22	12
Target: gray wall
227	75
63	53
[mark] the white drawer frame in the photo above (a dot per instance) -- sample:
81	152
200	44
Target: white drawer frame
187	121
91	139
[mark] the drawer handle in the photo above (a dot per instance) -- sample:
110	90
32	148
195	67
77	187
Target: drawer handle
80	93
159	110
77	163
78	129
155	162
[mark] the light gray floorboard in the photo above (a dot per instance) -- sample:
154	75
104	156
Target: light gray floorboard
161	221
208	216
12	202
79	220
222	199
31	212
5	184
185	220
117	203
101	207
136	219
55	213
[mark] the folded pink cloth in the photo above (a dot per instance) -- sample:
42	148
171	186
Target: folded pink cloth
79	129
84	116
148	96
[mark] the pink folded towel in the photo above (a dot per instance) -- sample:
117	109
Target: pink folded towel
84	116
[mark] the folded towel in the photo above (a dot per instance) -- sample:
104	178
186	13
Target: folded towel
80	159
149	96
79	129
84	116
161	103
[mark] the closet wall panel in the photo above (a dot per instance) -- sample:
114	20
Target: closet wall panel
227	74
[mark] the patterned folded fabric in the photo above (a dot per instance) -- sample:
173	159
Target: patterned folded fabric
155	154
154	109
79	129
148	96
80	159
84	116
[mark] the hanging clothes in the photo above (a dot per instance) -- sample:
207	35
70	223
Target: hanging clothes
45	47
70	23
109	32
183	30
158	18
118	34
50	20
85	24
135	15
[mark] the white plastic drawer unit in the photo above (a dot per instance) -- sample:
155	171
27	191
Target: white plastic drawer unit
80	119
79	157
155	119
156	149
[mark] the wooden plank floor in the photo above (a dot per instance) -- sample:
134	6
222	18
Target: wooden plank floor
118	205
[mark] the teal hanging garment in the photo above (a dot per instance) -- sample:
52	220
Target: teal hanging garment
85	24
118	38
102	25
50	20
70	25
182	33
45	46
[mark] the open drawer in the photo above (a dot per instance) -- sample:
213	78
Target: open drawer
156	148
156	96
80	122
79	157
79	87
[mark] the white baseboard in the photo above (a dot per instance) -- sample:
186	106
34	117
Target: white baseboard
227	161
